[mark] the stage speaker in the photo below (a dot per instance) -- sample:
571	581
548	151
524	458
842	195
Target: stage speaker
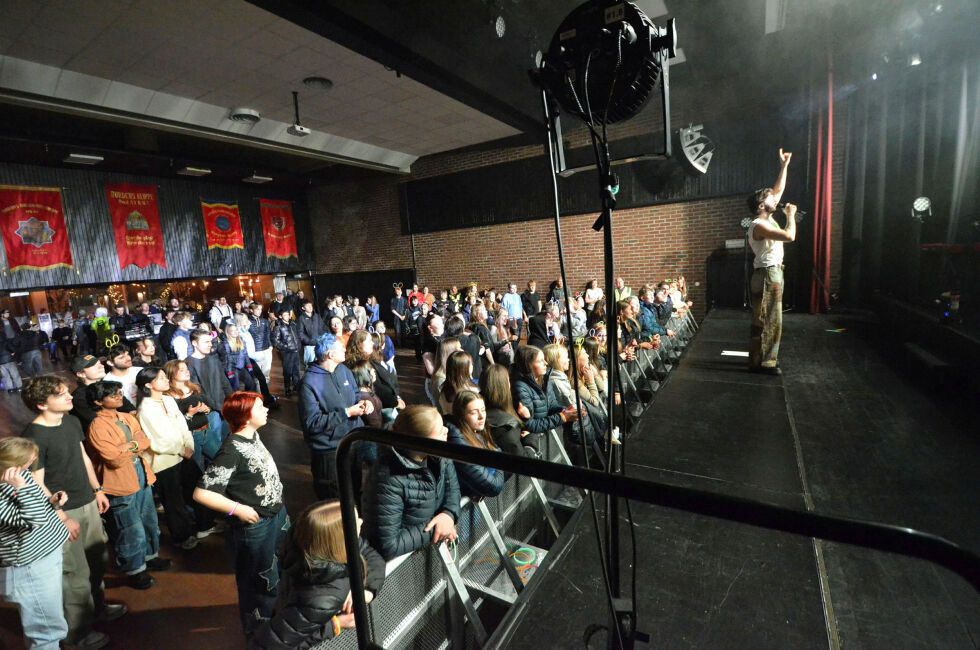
726	278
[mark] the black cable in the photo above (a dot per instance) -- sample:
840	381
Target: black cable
561	260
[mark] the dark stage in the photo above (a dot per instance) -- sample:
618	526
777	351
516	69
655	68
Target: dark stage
842	432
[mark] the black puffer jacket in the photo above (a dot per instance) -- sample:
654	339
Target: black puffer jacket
401	496
506	432
540	401
309	597
286	337
309	328
474	480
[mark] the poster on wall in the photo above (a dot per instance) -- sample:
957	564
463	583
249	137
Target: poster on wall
278	228
136	224
32	224
223	224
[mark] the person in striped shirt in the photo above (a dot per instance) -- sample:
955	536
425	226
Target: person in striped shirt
31	537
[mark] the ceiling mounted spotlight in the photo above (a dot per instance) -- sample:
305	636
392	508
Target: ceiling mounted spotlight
319	83
500	26
921	208
244	114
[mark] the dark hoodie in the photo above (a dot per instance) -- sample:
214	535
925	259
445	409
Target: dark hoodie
537	330
310	596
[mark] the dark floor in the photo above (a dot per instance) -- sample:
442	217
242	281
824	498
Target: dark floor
841	430
194	605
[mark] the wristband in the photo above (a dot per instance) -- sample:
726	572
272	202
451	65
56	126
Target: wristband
97	490
233	508
336	626
136	447
57	508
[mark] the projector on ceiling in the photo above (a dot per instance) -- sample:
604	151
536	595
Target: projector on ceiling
298	130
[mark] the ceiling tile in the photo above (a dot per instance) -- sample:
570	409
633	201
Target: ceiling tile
82	87
28	76
38	53
126	97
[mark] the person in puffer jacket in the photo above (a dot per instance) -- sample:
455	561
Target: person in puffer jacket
285	338
410	499
467	427
532	388
314	602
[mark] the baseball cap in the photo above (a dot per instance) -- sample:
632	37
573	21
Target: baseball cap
79	364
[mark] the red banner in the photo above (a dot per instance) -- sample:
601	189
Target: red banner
136	224
32	224
278	228
223	224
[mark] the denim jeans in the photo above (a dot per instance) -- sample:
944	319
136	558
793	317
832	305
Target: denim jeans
36	591
256	566
134	528
208	441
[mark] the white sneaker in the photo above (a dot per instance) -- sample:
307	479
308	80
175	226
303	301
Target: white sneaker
189	543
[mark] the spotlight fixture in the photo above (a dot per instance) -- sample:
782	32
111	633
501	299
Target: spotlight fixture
245	114
915	59
921	208
193	171
296	128
318	83
874	76
255	179
746	222
500	26
82	159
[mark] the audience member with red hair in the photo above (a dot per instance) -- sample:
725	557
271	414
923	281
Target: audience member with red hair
243	483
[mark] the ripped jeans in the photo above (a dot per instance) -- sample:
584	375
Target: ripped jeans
256	566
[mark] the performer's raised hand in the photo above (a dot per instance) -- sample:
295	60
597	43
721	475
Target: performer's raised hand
784	157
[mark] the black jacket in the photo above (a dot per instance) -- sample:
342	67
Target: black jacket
261	333
285	337
537	330
401	496
539	400
309	328
505	429
309	597
386	387
474	480
209	374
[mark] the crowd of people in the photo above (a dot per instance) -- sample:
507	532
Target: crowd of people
173	413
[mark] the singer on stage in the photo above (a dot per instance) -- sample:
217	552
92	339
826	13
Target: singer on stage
766	239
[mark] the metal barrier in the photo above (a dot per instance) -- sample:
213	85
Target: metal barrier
882	537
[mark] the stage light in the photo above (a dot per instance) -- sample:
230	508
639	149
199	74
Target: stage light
500	26
915	59
746	222
618	50
874	76
921	208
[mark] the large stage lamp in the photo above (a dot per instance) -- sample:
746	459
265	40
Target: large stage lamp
921	208
612	49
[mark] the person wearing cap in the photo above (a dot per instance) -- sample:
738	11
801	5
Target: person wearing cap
88	369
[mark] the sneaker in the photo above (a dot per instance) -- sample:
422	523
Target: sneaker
189	544
91	641
141	580
159	564
112	611
201	534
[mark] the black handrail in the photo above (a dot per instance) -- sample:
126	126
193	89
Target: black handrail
881	537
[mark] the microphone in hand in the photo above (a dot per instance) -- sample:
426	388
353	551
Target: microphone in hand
799	213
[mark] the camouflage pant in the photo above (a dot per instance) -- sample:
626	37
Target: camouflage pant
767	316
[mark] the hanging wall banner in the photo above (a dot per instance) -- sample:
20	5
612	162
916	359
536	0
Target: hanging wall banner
278	228
136	224
223	224
32	223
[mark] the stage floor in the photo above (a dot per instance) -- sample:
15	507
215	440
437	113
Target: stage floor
842	432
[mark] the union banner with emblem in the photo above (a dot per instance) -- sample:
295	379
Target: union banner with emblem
136	224
32	224
278	228
223	224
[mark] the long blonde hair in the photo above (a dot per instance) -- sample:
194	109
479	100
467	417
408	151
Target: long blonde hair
234	344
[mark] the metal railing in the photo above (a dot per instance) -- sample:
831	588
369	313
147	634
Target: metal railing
881	537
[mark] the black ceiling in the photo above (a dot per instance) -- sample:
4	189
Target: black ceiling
450	45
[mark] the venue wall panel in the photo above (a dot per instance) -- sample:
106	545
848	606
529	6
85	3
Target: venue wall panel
93	246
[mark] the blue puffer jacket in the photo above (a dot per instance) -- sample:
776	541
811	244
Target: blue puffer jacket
474	480
540	401
323	401
401	497
648	321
